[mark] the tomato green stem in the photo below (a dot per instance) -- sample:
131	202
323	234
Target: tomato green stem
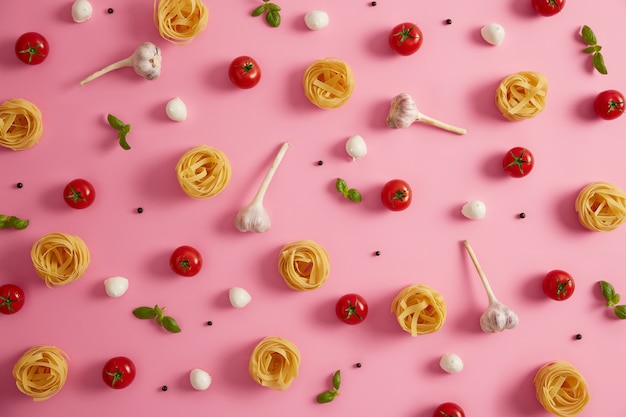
32	51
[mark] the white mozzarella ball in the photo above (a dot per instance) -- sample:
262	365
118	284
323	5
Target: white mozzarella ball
474	210
239	297
81	11
493	33
451	363
176	110
115	286
356	147
316	19
200	379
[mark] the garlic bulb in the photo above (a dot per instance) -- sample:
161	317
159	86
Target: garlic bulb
316	19
403	113
356	147
239	298
497	317
474	210
451	363
493	33
200	380
81	11
116	286
146	61
176	110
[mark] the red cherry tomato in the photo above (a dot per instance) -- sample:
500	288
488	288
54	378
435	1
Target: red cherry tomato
11	299
32	48
351	309
518	162
186	261
548	7
449	410
244	72
558	285
118	372
396	195
609	104
79	193
406	38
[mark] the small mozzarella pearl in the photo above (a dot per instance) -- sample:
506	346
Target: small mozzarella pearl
451	363
176	110
316	20
81	11
474	210
200	379
239	297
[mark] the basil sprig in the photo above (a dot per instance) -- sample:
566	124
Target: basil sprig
12	222
328	396
349	193
272	13
612	299
147	313
594	49
122	128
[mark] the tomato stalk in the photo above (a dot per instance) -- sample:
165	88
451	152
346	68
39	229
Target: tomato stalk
405	34
32	51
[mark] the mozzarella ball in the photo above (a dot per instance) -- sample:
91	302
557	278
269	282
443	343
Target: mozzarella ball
239	297
200	379
115	286
474	210
316	19
451	363
176	110
81	11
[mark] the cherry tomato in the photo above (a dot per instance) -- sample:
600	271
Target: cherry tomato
609	104
558	285
32	48
449	410
186	261
396	195
405	38
11	299
548	7
118	372
518	162
244	72
351	309
79	193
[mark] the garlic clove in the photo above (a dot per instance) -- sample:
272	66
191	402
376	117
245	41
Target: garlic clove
356	147
498	317
451	363
239	297
176	110
116	286
316	19
81	11
200	380
493	33
474	210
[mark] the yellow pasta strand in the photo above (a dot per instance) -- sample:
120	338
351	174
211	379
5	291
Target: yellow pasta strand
21	124
601	206
522	95
561	389
419	309
203	172
304	265
328	83
274	363
60	258
41	372
179	21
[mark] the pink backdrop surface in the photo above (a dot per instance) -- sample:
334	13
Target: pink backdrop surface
453	77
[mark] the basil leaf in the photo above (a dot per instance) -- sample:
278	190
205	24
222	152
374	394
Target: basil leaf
354	195
590	49
326	397
273	18
616	299
273	7
341	186
4	222
17	223
170	324
115	123
121	136
608	292
144	313
588	36
259	10
620	311
337	380
598	63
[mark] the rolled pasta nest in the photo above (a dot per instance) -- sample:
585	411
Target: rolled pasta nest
419	309
41	372
21	124
304	265
561	389
274	363
601	206
60	258
203	172
180	21
522	95
328	83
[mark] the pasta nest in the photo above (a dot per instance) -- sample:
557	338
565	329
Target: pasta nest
522	95
203	172
561	389
179	21
274	363
328	83
601	206
419	309
20	124
304	265
60	258
41	372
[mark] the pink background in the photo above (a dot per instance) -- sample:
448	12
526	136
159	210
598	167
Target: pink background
453	77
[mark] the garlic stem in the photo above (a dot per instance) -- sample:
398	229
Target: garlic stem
127	62
437	123
481	274
260	195
146	61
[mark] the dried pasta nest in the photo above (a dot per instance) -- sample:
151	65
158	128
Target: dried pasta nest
328	83
274	363
203	172
41	372
522	95
60	258
419	309
561	389
304	265
21	124
601	206
179	21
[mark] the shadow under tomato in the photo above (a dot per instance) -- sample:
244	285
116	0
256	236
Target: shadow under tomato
584	108
532	288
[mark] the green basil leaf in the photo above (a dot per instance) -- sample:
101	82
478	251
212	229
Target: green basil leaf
341	186
273	7
144	313
598	63
115	123
326	396
588	36
170	324
4	222
259	10
273	18
354	195
337	380
590	49
121	136
608	292
615	300
17	223
620	311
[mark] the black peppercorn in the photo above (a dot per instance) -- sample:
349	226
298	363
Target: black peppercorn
522	215
320	162
20	185
209	323
448	21
164	388
139	210
373	3
110	10
579	336
358	365
377	253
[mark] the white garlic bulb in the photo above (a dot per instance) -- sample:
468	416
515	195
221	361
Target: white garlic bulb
316	19
81	11
498	317
239	298
474	210
200	380
176	110
116	286
492	33
451	363
356	147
